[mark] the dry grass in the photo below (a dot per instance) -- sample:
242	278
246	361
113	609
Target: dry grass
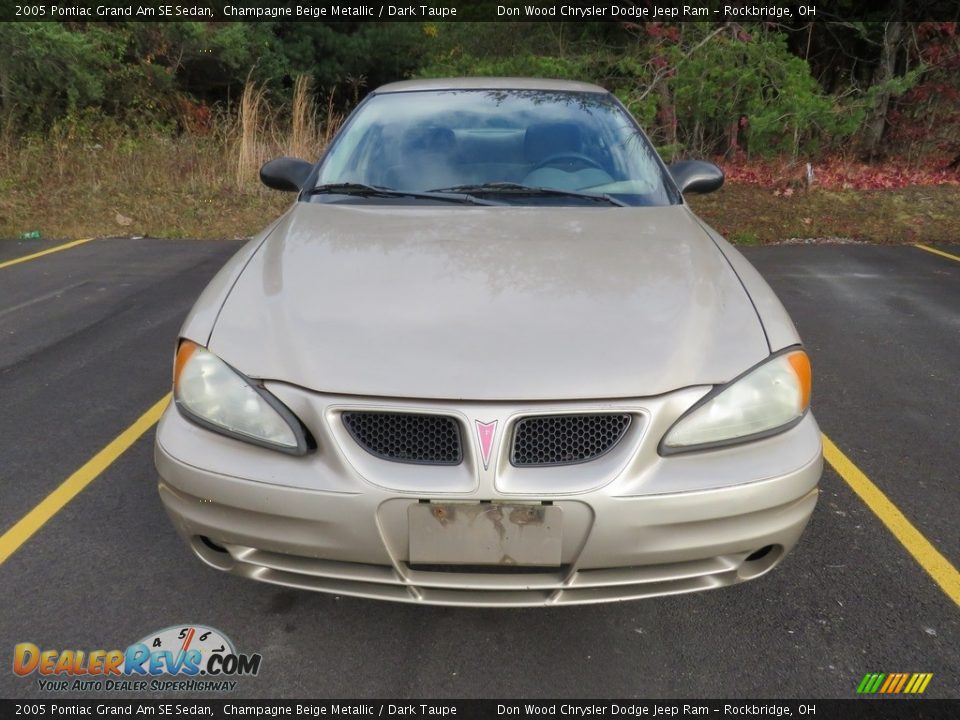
751	214
332	122
90	177
93	178
251	129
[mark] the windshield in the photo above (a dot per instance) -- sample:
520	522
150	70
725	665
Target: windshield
497	143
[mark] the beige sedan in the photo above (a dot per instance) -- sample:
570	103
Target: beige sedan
490	357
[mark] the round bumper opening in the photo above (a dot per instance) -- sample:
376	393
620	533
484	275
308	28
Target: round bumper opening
760	561
211	553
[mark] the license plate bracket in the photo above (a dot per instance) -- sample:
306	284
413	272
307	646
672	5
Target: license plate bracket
485	534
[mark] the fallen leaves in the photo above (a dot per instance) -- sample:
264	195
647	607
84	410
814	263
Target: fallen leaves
835	174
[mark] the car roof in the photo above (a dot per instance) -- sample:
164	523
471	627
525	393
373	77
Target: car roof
490	83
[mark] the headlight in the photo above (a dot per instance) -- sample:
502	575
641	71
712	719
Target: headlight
768	399
212	394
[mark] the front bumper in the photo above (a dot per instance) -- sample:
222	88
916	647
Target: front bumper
325	522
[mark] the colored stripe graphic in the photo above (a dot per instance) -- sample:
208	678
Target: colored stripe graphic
894	683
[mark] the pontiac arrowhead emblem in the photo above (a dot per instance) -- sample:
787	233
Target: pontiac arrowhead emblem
485	433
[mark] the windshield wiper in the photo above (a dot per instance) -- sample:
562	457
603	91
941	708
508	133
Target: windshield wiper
361	190
509	188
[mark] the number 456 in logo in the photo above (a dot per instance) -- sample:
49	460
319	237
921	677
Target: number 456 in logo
189	650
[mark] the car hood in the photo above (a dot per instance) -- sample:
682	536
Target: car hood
489	303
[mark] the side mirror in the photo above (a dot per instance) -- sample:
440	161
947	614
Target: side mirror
285	173
696	176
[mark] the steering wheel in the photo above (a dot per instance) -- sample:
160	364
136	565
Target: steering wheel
569	157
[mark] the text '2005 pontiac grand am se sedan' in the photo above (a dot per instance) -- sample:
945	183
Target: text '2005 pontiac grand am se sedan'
490	357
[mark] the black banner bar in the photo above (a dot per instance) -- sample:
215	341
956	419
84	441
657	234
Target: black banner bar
853	709
481	10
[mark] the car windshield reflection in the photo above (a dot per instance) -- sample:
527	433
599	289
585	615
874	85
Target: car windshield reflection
579	145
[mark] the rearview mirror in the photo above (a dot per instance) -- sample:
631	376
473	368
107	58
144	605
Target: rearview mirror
696	176
285	173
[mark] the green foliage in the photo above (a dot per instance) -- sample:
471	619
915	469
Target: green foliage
644	109
698	88
141	71
528	65
345	53
895	86
743	237
46	70
696	91
757	87
635	75
671	152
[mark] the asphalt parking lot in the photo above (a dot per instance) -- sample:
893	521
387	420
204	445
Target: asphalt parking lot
87	340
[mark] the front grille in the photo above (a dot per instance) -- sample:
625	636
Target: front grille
565	439
407	437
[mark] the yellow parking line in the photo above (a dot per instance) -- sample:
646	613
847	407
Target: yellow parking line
937	252
58	248
930	559
16	536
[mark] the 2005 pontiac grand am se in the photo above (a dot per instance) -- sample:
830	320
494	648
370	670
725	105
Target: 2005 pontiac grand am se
490	357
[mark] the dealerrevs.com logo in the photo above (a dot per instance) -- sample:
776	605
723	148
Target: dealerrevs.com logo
179	658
